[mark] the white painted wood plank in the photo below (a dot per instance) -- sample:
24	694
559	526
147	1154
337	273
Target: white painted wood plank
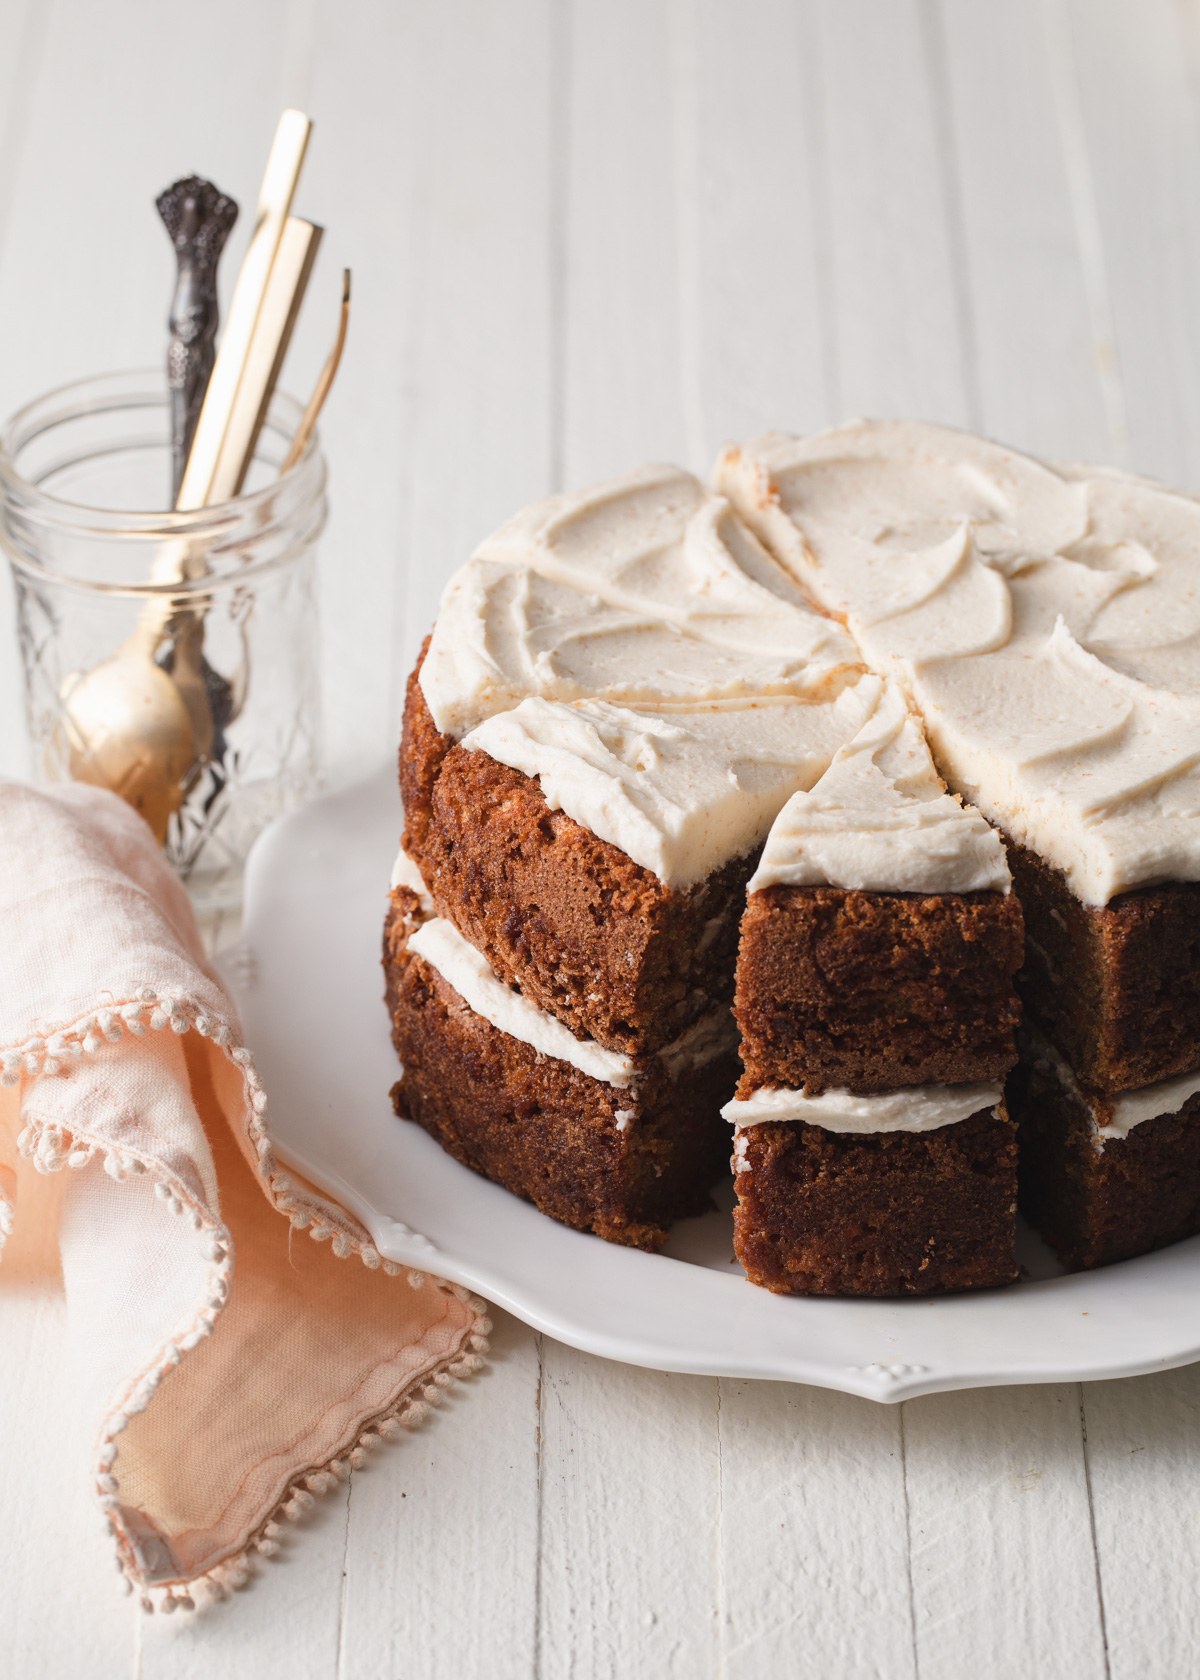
124	101
477	369
1003	1571
623	400
911	286
899	344
438	160
1141	1449
22	33
759	215
362	87
64	1612
629	1520
442	1561
1123	74
629	1517
814	1536
284	1625
1038	362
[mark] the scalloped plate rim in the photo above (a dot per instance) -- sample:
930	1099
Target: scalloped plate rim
306	978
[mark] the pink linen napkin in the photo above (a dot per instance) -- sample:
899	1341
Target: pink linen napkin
227	1372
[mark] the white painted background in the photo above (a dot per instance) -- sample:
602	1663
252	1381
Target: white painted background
583	235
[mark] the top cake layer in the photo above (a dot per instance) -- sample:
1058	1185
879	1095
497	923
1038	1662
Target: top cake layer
1045	622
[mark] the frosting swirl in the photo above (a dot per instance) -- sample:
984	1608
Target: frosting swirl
1044	621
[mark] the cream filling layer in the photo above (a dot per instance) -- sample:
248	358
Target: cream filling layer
406	874
1116	1117
1130	1108
1044	621
457	961
441	945
914	1108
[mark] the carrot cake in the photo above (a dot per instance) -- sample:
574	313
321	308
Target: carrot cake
1044	623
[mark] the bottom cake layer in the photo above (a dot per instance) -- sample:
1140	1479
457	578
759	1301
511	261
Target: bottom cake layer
1104	1181
887	1213
624	1161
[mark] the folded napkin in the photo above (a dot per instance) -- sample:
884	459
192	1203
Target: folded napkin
228	1370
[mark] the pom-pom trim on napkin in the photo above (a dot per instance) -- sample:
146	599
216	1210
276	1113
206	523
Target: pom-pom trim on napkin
51	1147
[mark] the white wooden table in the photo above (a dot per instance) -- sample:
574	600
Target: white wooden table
583	236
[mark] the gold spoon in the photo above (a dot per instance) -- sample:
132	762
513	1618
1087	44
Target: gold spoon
128	725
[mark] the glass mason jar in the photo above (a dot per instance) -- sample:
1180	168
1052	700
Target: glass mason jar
197	698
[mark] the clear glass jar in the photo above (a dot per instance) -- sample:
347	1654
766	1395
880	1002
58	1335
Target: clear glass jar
196	699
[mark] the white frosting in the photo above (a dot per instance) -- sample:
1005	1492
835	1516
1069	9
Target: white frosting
712	1036
879	820
647	589
913	1108
439	943
1045	622
679	791
1130	1108
406	874
444	948
1115	1117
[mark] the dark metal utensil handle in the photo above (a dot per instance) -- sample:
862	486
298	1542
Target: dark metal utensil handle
198	218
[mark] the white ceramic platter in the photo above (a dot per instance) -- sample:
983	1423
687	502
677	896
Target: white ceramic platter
308	979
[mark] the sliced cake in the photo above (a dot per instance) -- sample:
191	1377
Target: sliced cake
873	1154
1045	624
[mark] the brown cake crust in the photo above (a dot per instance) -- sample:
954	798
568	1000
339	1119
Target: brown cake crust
1096	1200
539	1126
1116	987
892	1213
871	991
587	934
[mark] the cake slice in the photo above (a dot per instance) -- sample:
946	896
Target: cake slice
604	1142
873	1154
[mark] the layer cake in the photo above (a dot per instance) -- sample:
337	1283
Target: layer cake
662	741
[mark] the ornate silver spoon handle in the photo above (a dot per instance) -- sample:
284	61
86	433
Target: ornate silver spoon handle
198	217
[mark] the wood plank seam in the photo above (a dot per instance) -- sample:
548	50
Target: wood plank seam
1091	1504
1088	231
908	1549
933	42
812	71
560	172
28	56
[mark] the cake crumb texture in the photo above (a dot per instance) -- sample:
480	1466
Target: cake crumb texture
1116	987
587	934
622	1163
870	991
897	1213
1093	1199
